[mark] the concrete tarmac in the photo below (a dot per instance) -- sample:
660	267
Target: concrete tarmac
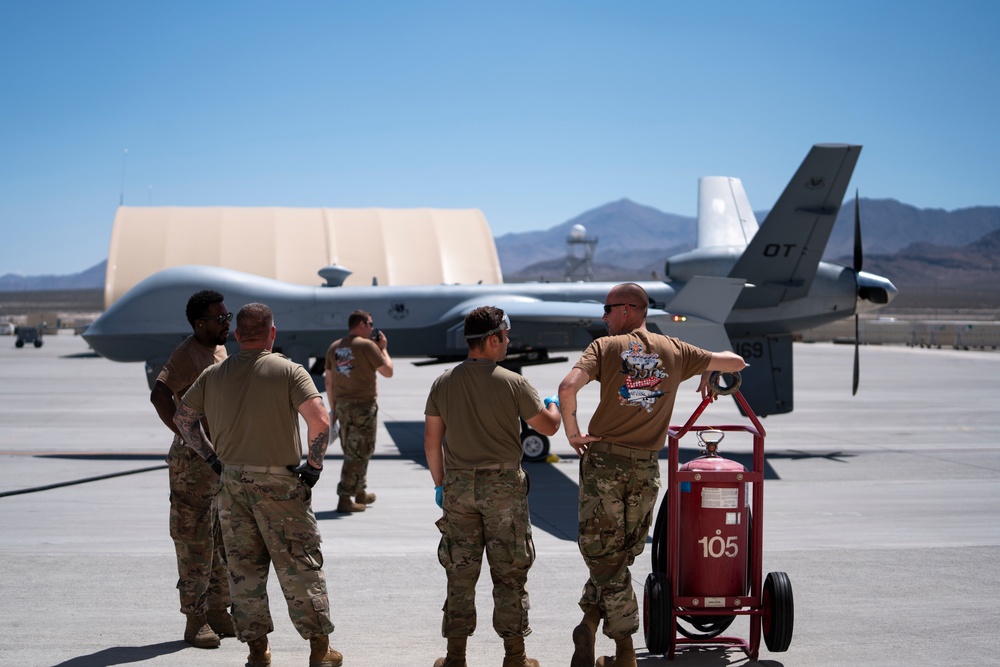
883	508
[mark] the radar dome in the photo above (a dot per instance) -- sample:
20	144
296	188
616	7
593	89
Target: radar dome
577	232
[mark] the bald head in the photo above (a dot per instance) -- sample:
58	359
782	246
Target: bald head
630	293
625	308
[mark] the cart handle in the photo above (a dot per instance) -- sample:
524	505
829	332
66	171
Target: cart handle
730	389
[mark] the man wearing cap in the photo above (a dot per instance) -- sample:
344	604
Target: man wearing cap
639	373
253	401
194	524
472	439
351	387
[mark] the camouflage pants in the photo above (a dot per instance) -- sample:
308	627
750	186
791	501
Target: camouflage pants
194	527
358	422
268	518
617	495
486	509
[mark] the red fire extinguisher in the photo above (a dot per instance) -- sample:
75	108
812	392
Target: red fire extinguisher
706	551
714	528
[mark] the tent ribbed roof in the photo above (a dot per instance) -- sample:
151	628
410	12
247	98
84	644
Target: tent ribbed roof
391	246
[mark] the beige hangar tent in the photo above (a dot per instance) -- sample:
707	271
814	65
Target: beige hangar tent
390	246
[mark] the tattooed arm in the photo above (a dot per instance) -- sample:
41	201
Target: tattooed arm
318	424
188	423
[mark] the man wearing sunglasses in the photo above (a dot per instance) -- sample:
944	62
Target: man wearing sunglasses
472	439
194	525
352	365
639	373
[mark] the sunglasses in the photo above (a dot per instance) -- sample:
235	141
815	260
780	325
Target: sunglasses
609	306
220	319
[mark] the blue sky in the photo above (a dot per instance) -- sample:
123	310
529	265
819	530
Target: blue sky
533	112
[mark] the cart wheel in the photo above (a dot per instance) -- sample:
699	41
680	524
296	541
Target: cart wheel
18	343
656	607
536	446
38	342
779	612
659	545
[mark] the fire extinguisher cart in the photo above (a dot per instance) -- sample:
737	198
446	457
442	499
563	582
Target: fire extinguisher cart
707	547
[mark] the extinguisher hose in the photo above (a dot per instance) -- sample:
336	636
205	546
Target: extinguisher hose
707	626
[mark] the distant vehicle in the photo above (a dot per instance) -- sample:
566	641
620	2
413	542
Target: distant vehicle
31	335
746	286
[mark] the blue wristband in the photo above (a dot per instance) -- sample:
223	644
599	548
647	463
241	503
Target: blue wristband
554	398
439	495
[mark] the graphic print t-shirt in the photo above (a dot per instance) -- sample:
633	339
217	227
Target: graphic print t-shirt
639	374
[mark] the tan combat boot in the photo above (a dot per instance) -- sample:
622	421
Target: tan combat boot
456	653
260	653
624	655
583	638
221	622
514	654
321	655
198	632
346	506
365	498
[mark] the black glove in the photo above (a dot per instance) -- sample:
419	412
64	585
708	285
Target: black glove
307	473
215	463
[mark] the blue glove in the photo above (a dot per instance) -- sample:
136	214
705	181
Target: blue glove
554	398
439	495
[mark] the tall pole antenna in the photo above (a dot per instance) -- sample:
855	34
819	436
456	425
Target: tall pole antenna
121	198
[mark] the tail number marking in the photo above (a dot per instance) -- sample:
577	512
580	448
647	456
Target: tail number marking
754	350
779	249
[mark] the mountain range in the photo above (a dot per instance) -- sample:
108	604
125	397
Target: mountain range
629	234
937	258
933	249
92	278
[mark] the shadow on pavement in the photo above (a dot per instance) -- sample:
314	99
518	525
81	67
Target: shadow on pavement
701	656
124	655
